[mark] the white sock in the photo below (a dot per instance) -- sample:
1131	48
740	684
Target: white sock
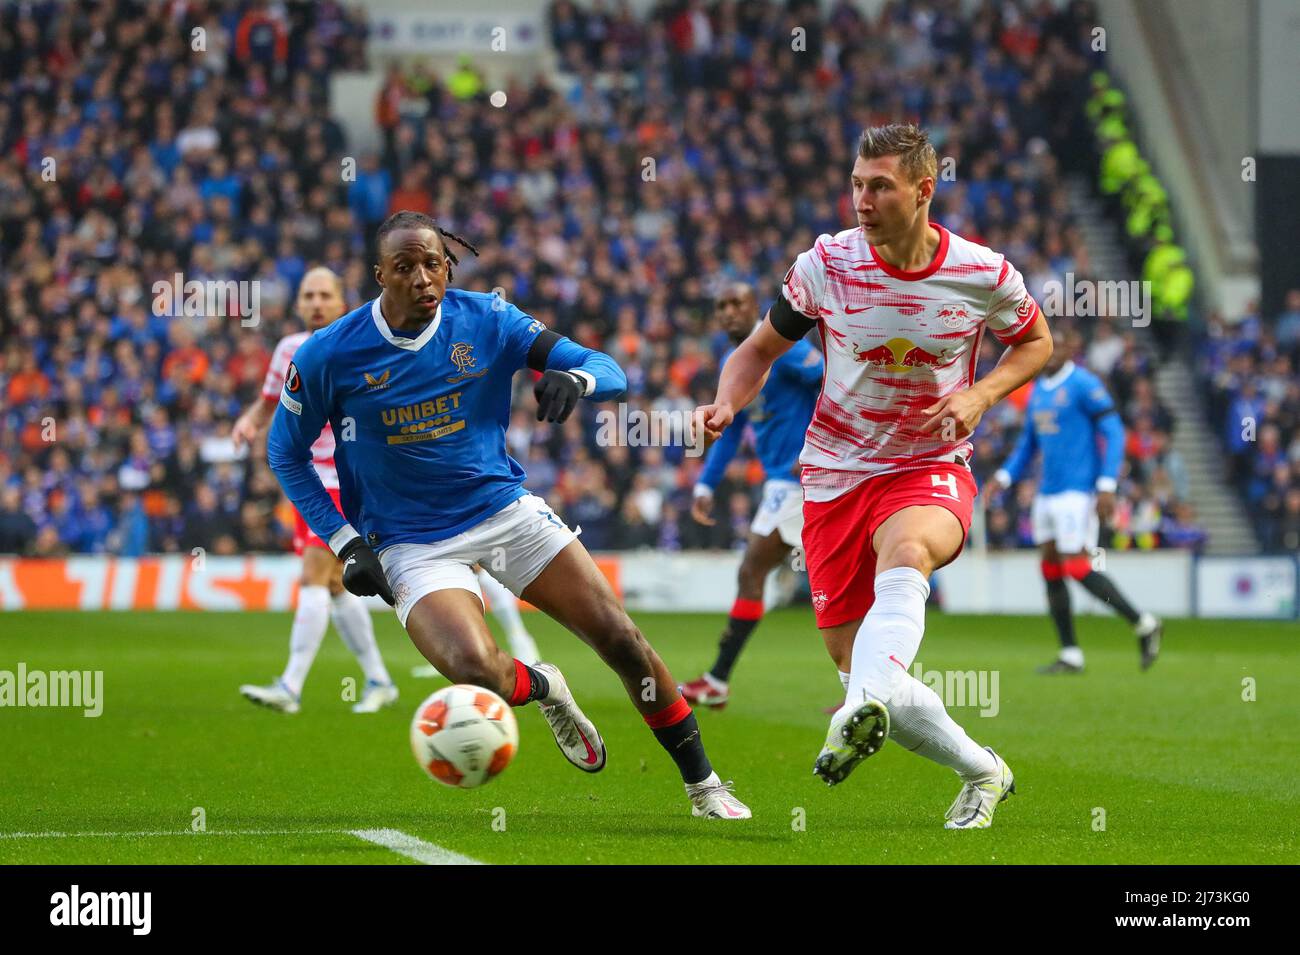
505	607
890	635
311	618
918	722
352	620
844	680
1072	655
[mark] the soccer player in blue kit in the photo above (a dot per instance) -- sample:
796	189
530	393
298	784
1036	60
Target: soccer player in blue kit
780	416
416	384
1069	410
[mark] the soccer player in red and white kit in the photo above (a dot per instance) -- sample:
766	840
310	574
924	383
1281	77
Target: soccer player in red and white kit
321	595
901	305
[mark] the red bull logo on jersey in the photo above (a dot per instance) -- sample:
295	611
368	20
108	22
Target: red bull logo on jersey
899	354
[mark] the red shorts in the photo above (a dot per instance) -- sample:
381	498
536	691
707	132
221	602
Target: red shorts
303	536
837	534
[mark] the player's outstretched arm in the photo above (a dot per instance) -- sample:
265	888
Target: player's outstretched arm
297	424
570	372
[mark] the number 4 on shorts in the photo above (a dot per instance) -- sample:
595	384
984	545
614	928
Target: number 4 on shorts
948	481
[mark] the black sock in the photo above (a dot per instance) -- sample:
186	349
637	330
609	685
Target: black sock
682	741
729	647
1103	588
1058	602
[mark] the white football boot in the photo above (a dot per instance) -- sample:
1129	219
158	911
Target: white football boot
574	733
857	731
375	697
1149	630
713	799
277	696
974	805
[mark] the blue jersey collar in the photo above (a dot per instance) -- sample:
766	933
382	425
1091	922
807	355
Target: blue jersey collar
408	344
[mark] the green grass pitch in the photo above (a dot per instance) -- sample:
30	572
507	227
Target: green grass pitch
1175	765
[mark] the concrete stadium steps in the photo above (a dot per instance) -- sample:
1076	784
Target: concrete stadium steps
1218	507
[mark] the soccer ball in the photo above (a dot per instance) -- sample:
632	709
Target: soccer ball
464	735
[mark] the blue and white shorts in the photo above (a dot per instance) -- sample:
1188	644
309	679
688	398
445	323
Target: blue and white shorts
514	545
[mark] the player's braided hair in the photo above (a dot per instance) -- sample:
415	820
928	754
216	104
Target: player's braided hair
418	220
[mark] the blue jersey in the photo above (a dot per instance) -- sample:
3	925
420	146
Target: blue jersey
1066	415
780	415
419	423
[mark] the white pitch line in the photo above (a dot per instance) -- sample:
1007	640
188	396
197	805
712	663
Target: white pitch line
154	833
423	852
392	839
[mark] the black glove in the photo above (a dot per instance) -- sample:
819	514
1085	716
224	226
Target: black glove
557	394
363	575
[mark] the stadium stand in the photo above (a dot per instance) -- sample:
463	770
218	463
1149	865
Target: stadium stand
120	168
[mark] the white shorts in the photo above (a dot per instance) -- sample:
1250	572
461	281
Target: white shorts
1068	518
780	510
514	545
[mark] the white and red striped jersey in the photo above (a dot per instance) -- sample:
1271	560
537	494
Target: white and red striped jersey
322	450
895	342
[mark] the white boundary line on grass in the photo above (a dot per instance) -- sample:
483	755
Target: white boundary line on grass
426	853
413	848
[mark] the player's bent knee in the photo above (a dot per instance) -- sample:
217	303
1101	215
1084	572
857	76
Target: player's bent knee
480	670
908	553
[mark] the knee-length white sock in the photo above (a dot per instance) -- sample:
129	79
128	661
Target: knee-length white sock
357	629
883	650
919	722
311	618
890	635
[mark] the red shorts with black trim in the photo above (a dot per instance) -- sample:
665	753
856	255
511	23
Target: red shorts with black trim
303	536
837	534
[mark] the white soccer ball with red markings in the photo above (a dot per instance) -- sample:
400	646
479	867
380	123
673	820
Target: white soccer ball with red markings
464	735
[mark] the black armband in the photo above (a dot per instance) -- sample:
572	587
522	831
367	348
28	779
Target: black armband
541	349
787	322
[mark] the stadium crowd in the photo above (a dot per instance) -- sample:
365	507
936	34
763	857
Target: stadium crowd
698	146
1254	399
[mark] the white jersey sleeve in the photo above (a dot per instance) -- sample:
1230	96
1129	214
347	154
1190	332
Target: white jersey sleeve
1011	309
805	284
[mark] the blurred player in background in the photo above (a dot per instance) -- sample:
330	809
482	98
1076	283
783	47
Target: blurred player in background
901	305
780	416
321	595
1069	412
428	489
